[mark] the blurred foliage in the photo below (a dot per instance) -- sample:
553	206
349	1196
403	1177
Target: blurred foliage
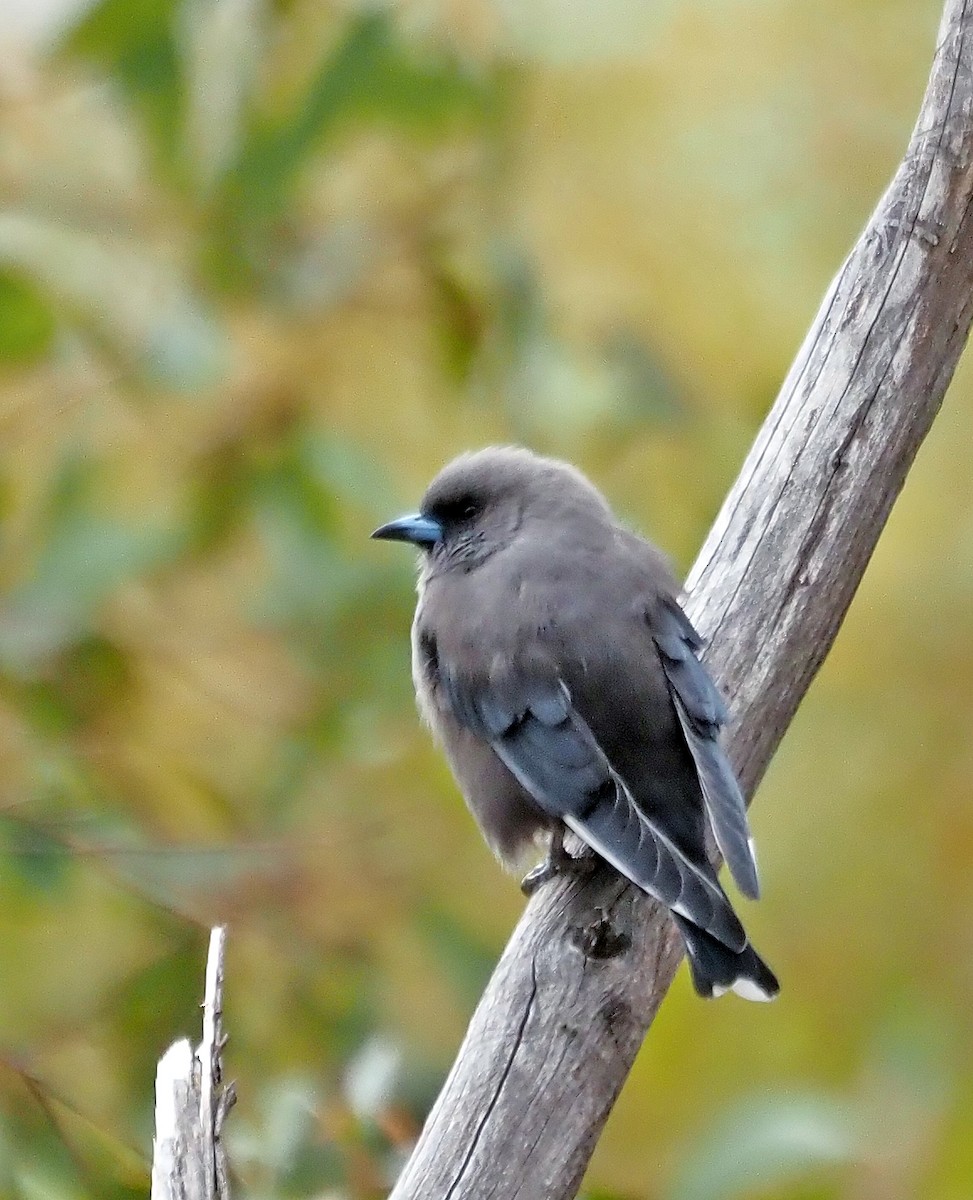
264	266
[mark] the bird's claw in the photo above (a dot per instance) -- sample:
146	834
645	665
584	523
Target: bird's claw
558	862
538	875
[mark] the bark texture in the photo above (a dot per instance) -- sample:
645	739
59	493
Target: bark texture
576	989
188	1158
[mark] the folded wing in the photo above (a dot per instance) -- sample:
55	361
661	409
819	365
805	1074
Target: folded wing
534	729
701	714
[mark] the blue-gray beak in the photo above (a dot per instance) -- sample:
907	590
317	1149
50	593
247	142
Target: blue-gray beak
420	530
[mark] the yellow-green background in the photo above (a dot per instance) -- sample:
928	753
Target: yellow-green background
263	268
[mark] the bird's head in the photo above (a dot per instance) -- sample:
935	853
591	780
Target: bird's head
479	502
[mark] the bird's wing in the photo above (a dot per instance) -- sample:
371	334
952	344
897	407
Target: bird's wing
701	713
539	736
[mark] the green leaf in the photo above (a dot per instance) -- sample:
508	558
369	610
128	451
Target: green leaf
84	560
182	877
134	305
277	152
284	1146
134	40
301	500
372	76
80	684
645	389
105	1165
586	33
149	1008
349	472
41	859
220	44
467	961
36	1160
26	320
463	310
94	676
759	1146
217	498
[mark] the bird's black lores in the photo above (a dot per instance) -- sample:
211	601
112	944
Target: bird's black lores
553	662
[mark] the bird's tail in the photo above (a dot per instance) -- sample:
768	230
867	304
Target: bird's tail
716	968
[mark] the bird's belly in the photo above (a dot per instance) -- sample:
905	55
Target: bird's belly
510	820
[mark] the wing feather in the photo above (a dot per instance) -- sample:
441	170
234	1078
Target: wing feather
539	736
701	713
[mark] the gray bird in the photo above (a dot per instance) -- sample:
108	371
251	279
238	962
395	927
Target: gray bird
553	662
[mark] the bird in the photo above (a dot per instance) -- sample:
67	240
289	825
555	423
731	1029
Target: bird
555	666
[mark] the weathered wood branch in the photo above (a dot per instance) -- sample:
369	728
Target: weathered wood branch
576	989
188	1160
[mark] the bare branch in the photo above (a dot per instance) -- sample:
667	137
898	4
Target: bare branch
188	1161
577	987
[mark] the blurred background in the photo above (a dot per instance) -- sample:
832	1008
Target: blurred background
264	266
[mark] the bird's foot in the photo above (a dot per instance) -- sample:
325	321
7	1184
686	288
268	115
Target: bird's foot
537	875
557	862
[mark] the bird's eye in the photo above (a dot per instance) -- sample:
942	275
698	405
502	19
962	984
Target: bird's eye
464	508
